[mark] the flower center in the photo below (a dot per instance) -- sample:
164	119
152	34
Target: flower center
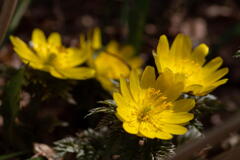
153	102
50	59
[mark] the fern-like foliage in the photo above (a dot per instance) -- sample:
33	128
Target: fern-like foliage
109	141
84	146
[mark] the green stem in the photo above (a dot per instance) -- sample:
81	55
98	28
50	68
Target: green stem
134	16
8	9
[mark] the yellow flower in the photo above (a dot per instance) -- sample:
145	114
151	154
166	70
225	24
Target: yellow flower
110	68
48	54
200	77
149	107
126	52
110	62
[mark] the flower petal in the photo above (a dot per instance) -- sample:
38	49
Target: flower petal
148	77
146	129
135	85
220	82
181	47
72	57
183	105
199	54
125	89
171	117
39	43
195	88
162	52
54	39
163	135
131	127
174	129
25	52
55	73
112	47
111	66
97	39
217	75
77	73
213	65
170	84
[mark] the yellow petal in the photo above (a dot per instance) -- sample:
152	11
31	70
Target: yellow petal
111	66
38	37
162	52
55	73
217	75
213	64
135	85
148	77
131	127
212	87
135	62
146	129
77	73
220	82
124	107
112	48
125	89
82	40
54	39
126	114
163	46
173	93
97	39
39	42
163	135
196	88
170	84
181	47
106	83
170	117
199	54
23	51
174	129
71	58
183	105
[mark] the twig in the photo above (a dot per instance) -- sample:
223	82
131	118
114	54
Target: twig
213	137
8	9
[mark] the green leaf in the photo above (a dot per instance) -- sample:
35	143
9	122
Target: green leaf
134	15
20	10
108	102
93	111
11	98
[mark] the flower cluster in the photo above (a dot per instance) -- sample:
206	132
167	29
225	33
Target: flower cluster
110	62
51	56
199	77
148	105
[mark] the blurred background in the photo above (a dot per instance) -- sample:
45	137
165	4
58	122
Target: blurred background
139	23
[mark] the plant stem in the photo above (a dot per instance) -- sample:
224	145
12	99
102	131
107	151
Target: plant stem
8	9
